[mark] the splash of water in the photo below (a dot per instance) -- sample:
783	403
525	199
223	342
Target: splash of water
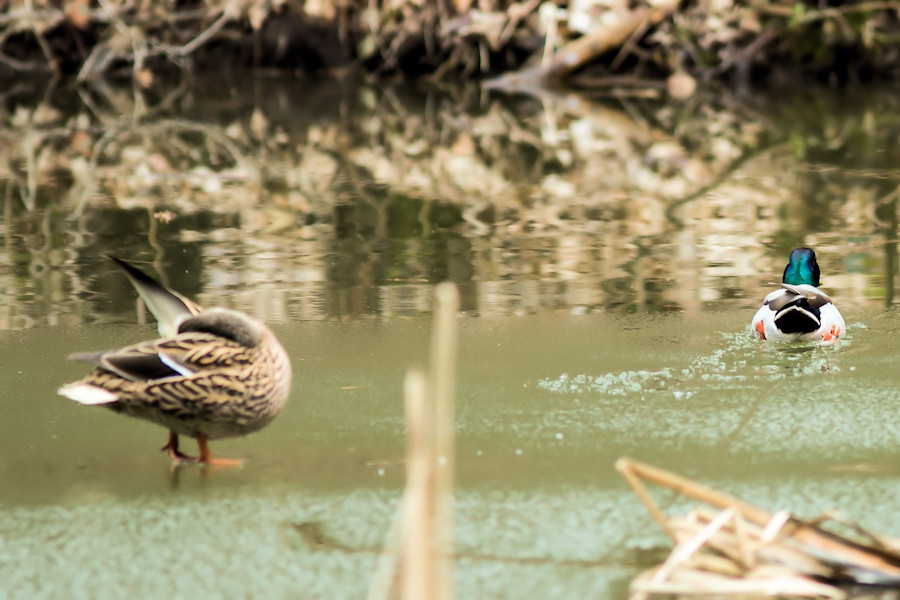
741	360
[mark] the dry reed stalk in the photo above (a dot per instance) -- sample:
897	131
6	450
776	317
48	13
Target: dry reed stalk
419	545
686	549
444	343
417	562
746	550
767	554
693	583
762	548
824	545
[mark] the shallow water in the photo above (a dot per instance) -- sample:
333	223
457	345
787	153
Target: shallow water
626	335
544	411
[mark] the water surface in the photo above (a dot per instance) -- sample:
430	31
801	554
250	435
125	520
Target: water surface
605	301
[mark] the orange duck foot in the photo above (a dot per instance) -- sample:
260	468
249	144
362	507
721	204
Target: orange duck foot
205	457
761	330
831	336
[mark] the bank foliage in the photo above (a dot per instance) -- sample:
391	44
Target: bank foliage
589	43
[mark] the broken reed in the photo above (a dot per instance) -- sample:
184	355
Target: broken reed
747	550
419	558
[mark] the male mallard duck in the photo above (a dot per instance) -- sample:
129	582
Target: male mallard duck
799	310
214	373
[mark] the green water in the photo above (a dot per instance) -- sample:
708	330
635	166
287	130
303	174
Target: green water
609	260
545	408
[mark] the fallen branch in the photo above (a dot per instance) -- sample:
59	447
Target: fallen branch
615	31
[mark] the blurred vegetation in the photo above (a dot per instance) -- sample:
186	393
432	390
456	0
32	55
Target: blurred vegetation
649	45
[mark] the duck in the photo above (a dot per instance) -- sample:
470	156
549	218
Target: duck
213	373
799	310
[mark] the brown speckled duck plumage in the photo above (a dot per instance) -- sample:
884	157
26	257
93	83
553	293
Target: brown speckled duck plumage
214	373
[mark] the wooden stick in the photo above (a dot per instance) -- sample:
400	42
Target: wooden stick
610	33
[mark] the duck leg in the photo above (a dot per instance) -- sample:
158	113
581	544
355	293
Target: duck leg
172	448
831	336
207	458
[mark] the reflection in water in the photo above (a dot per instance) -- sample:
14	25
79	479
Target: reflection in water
339	201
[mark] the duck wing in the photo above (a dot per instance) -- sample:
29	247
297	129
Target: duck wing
170	308
181	356
142	362
812	294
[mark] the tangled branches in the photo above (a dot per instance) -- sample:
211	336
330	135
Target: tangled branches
589	44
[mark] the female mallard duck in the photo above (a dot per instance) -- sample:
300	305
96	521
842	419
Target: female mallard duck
799	310
214	373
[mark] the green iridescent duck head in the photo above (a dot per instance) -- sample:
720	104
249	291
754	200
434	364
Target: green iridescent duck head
802	268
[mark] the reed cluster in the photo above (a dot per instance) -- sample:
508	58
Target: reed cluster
738	549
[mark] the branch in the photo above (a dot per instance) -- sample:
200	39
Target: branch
616	31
